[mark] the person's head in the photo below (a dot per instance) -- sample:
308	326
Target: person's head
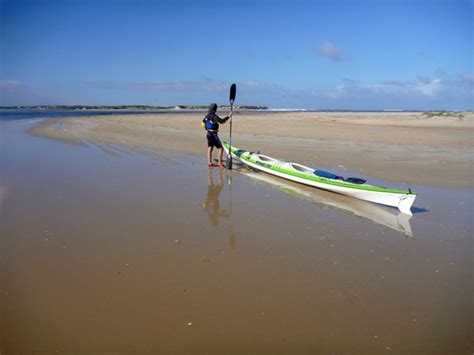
213	108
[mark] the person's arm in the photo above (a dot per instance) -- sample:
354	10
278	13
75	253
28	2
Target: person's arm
221	120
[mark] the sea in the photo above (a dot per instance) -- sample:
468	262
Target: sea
27	116
8	115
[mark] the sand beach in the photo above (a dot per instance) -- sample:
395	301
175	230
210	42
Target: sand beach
115	237
410	148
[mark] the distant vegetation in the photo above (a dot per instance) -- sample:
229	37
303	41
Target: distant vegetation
431	114
133	107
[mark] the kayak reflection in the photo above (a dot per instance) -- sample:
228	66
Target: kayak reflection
378	214
212	204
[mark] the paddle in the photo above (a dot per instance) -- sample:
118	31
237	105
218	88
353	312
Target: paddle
233	92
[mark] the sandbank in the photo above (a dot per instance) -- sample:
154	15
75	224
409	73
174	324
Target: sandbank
408	148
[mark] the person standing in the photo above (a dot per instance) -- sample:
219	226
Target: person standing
211	124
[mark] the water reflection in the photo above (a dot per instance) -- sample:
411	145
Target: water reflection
3	195
212	204
375	213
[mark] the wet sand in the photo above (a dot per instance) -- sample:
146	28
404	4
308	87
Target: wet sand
407	148
106	249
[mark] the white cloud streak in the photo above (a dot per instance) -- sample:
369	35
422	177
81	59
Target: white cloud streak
9	85
422	93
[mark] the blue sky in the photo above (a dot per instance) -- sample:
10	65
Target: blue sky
338	54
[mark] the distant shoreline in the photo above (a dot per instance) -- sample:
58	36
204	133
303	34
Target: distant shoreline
184	108
130	107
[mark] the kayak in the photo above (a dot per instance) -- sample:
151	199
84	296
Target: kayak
353	187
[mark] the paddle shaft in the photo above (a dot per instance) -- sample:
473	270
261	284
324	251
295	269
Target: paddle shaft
230	131
229	156
233	91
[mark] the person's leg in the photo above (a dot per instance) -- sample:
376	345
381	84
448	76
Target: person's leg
219	157
209	155
220	150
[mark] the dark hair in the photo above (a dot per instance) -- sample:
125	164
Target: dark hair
213	108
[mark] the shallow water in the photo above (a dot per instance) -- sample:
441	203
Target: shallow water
107	250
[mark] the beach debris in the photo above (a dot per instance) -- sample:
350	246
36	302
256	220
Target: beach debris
176	241
190	324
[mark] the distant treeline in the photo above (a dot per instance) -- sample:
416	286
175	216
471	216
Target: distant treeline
133	107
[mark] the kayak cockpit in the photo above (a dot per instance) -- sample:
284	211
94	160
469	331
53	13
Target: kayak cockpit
302	168
267	159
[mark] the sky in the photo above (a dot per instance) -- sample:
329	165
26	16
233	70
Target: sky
339	54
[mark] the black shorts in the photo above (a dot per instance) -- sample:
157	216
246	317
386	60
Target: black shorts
213	140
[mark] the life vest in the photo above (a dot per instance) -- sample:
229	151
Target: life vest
209	124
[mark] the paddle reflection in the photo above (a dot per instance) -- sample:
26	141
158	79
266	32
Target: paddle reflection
3	195
212	204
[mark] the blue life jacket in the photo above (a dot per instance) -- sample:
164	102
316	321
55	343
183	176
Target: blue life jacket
209	124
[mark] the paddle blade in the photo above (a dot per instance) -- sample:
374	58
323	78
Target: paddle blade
233	92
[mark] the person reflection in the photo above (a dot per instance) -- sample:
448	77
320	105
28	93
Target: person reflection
212	205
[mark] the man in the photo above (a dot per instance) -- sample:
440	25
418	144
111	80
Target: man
211	124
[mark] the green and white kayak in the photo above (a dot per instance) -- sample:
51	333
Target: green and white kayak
353	187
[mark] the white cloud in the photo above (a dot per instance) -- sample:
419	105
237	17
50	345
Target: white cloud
9	85
423	86
16	92
330	51
253	83
430	88
177	85
468	78
423	93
